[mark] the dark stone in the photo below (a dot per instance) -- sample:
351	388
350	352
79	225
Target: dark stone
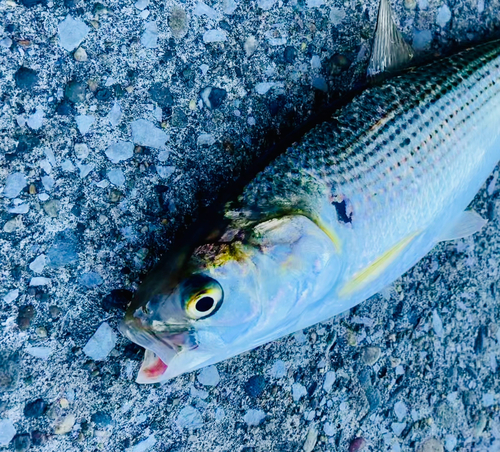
22	442
289	54
54	312
161	95
35	409
479	342
161	188
25	317
10	28
117	299
75	91
9	375
118	90
65	109
276	105
133	351
126	271
69	4
216	97
373	397
179	118
337	64
27	143
255	386
224	25
101	419
32	3
103	94
38	438
25	78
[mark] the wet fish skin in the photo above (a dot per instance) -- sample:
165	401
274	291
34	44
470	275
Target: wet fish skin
341	214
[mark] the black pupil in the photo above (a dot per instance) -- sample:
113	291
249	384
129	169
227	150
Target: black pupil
204	304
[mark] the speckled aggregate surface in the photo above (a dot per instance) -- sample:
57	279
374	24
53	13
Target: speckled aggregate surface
118	120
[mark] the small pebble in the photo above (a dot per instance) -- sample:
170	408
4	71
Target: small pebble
370	355
116	177
250	45
144	445
38	264
13	225
90	280
202	9
54	312
25	316
14	184
48	182
278	369
189	417
101	343
65	425
85	169
289	54
431	445
52	208
266	4
38	438
264	87
319	82
144	133
330	378
75	91
298	391
20	209
117	299
357	444
209	376
450	442
7	431
149	38
66	165
71	33
39	352
214	36
205	139
311	439
443	16
255	386
254	417
120	150
80	54
5	42
177	22
422	39
102	419
11	296
400	410
26	78
115	114
142	4
81	151
84	122
437	324
22	442
337	16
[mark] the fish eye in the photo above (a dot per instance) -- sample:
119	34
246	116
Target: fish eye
202	296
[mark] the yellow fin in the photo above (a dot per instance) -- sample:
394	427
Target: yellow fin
376	268
329	231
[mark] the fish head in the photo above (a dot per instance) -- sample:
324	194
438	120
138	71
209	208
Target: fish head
232	297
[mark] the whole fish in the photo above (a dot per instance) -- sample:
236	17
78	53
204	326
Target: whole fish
346	210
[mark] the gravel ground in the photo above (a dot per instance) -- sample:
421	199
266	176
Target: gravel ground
119	120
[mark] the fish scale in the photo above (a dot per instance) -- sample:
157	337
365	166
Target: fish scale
387	130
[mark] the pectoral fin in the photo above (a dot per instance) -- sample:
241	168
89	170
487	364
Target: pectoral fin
390	51
468	223
376	268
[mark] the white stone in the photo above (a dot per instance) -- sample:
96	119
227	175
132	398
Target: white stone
298	391
400	410
205	139
144	445
39	352
35	121
209	376
46	166
7	432
254	417
264	87
84	122
120	150
220	414
398	427
330	378
39	281
48	182
165	171
71	33
146	134
443	16
488	400
437	324
315	3
422	39
43	197
329	429
14	185
214	36
11	296
142	4
189	417
116	177
250	45
266	4
228	6
337	16
115	114
163	156
204	68
81	151
101	343
38	264
19	209
149	38
85	169
6	42
203	9
66	165
450	442
278	369
315	62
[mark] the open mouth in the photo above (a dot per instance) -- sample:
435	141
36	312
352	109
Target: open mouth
152	368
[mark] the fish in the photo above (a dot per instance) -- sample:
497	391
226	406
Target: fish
333	219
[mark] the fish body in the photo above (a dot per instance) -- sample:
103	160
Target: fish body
341	214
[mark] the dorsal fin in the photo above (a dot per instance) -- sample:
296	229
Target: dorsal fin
390	51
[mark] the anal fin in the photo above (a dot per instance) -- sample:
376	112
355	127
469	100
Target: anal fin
468	223
390	51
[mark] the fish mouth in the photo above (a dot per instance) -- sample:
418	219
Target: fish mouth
162	347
